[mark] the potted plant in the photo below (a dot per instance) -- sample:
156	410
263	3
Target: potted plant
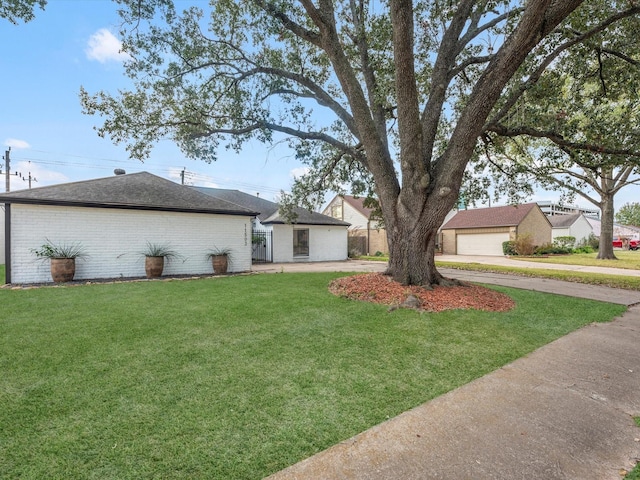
62	258
220	260
155	255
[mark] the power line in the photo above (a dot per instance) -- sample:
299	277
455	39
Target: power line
196	177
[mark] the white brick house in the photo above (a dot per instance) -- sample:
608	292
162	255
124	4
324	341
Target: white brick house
313	237
114	218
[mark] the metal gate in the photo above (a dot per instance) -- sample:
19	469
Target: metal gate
262	246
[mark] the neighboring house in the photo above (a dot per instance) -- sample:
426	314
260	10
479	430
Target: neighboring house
312	237
619	231
352	210
552	209
574	225
482	231
113	219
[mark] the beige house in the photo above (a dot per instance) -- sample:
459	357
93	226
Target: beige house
365	234
482	231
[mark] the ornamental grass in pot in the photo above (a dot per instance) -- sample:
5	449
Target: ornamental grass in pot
220	258
156	255
62	257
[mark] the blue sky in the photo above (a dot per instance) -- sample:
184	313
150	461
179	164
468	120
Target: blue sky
72	44
44	63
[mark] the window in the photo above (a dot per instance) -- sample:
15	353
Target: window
336	211
301	243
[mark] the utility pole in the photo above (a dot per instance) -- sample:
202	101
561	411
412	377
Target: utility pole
7	162
182	174
30	178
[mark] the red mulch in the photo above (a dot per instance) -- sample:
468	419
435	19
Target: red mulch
379	288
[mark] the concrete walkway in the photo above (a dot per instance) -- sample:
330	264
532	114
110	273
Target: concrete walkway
562	412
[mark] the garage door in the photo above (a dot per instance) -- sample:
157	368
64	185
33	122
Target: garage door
481	243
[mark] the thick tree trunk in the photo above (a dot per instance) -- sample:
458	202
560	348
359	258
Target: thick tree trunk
412	257
605	251
412	235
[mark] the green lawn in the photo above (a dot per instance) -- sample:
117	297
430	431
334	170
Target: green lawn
233	377
635	473
626	259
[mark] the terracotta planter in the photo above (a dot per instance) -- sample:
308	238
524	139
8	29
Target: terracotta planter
153	266
220	264
63	269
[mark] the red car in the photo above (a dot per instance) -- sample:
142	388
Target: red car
633	244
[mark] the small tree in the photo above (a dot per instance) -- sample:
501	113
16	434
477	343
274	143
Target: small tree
629	214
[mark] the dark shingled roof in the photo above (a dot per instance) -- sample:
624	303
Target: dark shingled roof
563	221
268	211
508	216
138	191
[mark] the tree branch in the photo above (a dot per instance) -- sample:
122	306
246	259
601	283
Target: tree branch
264	125
440	78
537	74
293	27
559	140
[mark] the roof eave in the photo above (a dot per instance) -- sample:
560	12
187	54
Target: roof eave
123	206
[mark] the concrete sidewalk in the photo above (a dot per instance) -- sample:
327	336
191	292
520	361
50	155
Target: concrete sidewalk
510	262
562	412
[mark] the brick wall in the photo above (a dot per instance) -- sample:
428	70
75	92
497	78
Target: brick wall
115	240
536	225
326	243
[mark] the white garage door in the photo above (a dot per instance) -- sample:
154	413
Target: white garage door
481	243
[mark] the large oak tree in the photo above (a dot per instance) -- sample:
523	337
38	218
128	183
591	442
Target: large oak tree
391	93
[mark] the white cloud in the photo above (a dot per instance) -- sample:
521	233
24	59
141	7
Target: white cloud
105	47
15	143
298	172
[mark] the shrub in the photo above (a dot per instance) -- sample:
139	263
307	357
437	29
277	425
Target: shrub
523	245
583	249
552	249
591	242
565	242
508	248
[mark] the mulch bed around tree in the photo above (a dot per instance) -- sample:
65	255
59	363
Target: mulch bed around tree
379	288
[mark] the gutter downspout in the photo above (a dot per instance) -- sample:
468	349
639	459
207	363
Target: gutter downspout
7	242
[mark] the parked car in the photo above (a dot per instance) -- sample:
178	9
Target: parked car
633	244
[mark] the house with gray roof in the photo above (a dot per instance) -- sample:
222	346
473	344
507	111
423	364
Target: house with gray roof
481	231
575	225
114	218
310	237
